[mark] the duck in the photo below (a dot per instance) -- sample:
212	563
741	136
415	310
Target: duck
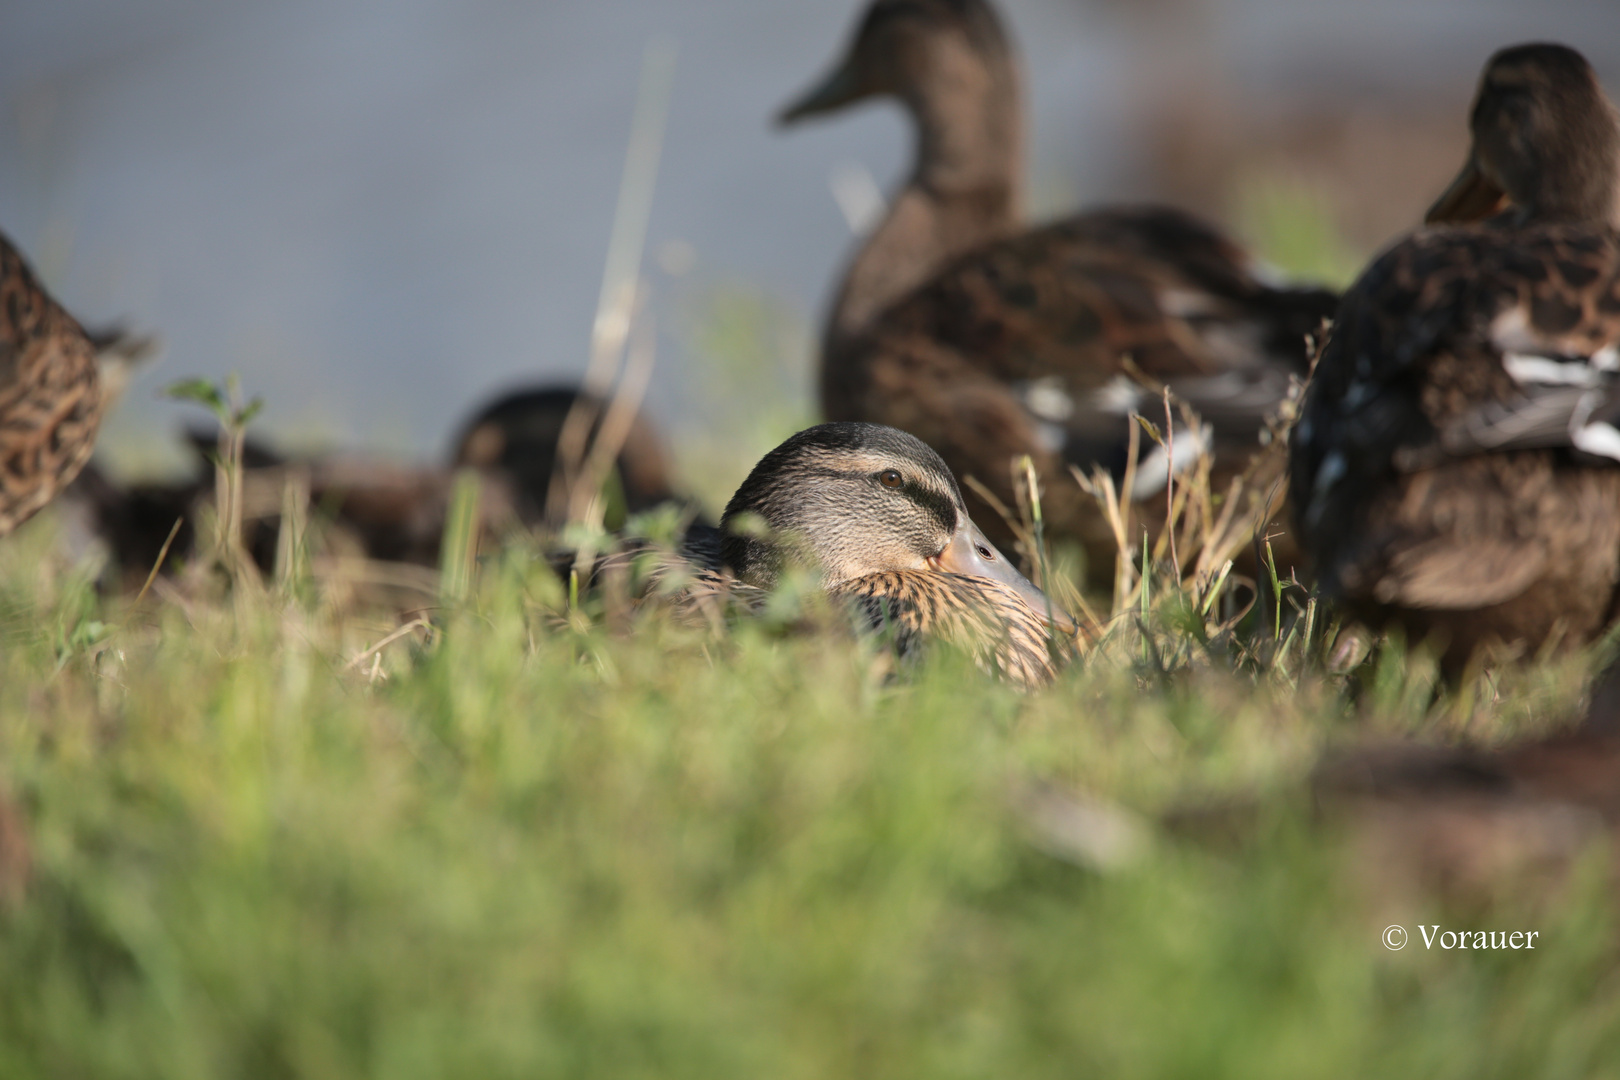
51	400
1053	343
951	65
369	510
1048	341
515	436
1456	461
880	520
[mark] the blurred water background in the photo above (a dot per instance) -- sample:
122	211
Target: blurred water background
379	213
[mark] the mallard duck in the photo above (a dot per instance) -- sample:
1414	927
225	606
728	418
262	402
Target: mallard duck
1049	343
880	516
1022	344
949	64
368	509
516	436
51	400
1456	468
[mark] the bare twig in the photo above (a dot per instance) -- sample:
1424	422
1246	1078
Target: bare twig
163	553
376	649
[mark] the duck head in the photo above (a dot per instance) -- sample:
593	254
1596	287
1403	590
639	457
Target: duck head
916	51
1545	143
860	499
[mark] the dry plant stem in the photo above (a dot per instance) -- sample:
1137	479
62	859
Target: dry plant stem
291	553
1101	488
1219	539
223	511
1170	483
1125	561
614	304
377	572
1040	540
585	499
163	553
1000	508
228	497
376	650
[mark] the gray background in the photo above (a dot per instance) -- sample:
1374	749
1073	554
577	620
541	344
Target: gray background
378	212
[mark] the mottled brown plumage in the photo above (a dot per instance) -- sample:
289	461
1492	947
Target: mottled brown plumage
1456	468
876	512
1025	346
50	393
950	65
983	617
989	345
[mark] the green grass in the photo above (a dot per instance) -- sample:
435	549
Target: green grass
531	844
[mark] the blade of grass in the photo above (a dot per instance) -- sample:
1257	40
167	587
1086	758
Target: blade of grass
459	550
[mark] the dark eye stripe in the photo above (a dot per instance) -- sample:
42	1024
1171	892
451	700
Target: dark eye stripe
939	506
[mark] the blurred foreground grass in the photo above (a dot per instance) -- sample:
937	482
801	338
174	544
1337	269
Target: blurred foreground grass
529	845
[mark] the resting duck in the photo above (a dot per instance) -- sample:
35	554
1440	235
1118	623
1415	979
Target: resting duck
1456	466
516	437
881	517
948	62
51	399
1018	344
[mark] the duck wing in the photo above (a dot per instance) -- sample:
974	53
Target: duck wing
1455	347
1511	335
50	393
1072	319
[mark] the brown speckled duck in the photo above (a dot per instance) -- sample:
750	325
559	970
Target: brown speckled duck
50	393
949	64
1456	467
877	512
1021	344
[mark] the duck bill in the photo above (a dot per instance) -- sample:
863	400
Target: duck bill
837	90
971	554
1471	197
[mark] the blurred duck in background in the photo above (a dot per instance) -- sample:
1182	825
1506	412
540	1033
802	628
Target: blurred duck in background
1049	342
51	394
381	511
949	64
878	515
517	437
364	511
1456	465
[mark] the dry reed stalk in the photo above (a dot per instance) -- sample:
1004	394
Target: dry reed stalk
622	274
376	650
378	572
1012	522
163	553
585	498
292	552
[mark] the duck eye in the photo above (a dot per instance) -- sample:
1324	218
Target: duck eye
890	478
986	554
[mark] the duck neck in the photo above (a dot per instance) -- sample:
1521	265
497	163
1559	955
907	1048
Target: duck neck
964	190
1586	195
